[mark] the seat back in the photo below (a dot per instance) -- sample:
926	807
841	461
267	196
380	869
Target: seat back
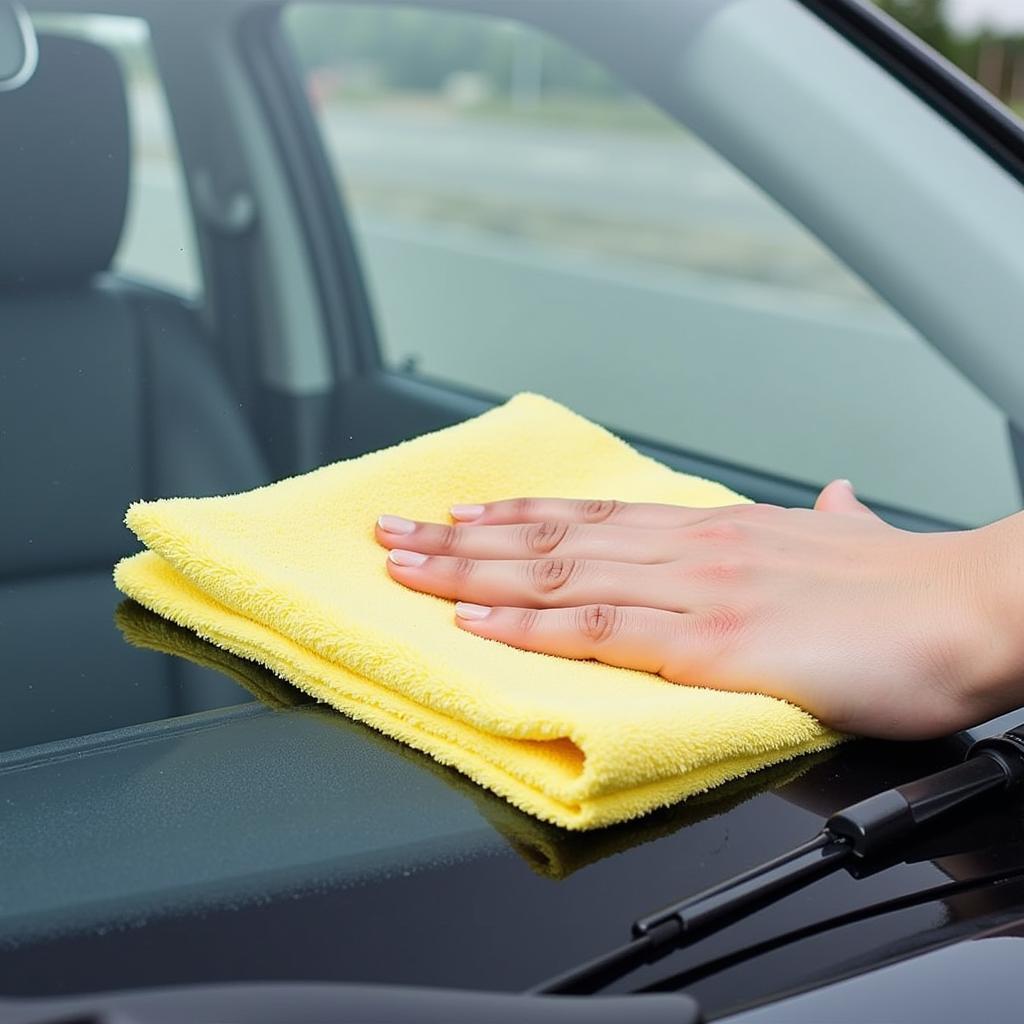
109	392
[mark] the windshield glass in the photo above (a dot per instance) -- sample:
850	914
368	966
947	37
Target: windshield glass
533	208
528	219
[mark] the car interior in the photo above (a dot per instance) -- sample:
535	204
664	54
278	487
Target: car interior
146	405
140	407
116	388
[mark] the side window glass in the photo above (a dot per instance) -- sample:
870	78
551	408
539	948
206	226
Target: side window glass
527	221
158	245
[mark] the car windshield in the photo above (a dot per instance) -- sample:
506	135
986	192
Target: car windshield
525	216
337	226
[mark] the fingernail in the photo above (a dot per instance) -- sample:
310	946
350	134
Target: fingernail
471	611
464	513
846	483
400	557
396	524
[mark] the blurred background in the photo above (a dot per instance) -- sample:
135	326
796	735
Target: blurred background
985	38
527	221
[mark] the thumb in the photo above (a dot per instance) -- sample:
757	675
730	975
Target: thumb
838	497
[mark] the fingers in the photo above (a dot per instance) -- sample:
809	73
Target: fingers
838	497
637	545
540	582
619	513
640	638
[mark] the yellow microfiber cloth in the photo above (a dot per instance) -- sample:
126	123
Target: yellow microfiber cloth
290	576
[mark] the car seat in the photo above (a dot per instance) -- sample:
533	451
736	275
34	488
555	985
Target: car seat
109	391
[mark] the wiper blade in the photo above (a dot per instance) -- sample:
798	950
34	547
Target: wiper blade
743	954
852	838
658	934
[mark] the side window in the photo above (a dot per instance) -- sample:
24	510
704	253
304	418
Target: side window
158	245
526	221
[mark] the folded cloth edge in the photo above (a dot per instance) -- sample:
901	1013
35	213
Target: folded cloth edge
151	581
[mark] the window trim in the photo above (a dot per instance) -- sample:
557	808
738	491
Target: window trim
958	99
339	278
389	386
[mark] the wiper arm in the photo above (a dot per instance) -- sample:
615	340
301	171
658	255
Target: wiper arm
851	838
657	935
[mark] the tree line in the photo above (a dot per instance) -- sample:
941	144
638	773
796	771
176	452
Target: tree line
418	50
995	59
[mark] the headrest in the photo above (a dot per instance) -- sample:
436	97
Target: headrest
64	164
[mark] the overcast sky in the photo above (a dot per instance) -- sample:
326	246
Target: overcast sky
970	14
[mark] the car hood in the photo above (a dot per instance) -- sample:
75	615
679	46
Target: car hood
275	839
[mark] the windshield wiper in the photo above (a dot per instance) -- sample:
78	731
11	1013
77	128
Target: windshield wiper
852	838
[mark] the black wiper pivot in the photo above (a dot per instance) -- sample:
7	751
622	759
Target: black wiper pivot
850	837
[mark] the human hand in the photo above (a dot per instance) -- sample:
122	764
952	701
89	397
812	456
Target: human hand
872	629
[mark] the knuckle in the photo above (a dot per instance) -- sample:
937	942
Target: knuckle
448	539
717	531
717	572
598	623
462	568
523	508
528	621
544	538
720	624
549	575
600	511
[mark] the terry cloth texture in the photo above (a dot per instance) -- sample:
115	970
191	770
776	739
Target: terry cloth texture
290	576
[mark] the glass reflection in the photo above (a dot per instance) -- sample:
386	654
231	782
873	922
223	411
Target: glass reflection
548	850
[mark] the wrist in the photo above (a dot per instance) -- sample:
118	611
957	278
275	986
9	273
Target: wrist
992	570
